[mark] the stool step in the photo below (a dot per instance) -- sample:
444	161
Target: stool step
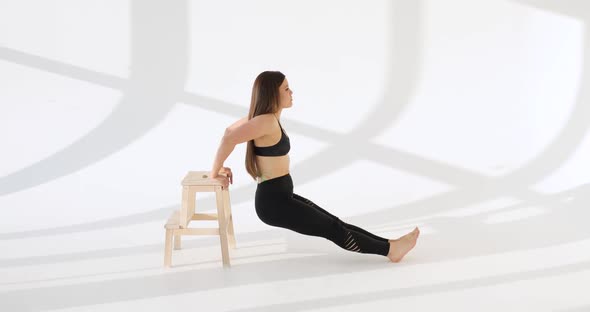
173	221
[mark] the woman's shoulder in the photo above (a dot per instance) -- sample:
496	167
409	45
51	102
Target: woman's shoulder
268	122
267	115
265	118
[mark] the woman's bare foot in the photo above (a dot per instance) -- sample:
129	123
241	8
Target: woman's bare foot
398	248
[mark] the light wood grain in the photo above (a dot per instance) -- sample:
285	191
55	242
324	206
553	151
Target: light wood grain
178	223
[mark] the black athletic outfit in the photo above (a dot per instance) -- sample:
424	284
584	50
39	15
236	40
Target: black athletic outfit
277	205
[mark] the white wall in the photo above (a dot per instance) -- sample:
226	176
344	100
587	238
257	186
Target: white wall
453	115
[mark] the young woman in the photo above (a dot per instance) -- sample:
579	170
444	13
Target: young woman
267	161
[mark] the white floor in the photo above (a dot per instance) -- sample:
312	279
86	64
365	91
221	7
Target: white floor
527	263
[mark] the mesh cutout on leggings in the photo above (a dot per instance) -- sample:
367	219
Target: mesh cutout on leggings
350	243
308	202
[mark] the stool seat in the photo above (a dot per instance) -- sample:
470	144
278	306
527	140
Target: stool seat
199	178
177	224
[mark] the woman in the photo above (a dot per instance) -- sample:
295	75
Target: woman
267	161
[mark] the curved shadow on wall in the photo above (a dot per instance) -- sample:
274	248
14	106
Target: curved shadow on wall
401	66
158	73
475	187
448	230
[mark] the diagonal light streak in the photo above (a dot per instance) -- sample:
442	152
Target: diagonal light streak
62	69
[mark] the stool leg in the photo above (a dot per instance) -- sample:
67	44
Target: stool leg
184	207
227	207
168	249
222	226
192	198
177	242
188	201
232	236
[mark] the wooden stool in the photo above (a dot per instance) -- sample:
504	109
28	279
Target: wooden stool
177	225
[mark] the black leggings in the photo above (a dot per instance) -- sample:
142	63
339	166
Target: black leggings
277	205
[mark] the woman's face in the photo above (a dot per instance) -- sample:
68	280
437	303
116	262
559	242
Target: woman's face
285	95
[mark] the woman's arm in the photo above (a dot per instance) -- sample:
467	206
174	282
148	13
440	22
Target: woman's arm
238	123
241	131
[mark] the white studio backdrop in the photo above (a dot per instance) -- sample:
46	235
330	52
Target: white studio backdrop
452	115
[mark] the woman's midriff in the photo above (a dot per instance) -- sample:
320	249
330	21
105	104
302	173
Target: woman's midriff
272	166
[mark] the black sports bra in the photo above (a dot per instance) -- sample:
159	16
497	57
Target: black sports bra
281	148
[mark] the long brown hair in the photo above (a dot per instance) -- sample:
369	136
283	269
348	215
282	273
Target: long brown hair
265	100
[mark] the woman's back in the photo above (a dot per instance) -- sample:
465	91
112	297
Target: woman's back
271	151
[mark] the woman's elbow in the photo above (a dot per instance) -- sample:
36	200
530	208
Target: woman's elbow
228	139
227	132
